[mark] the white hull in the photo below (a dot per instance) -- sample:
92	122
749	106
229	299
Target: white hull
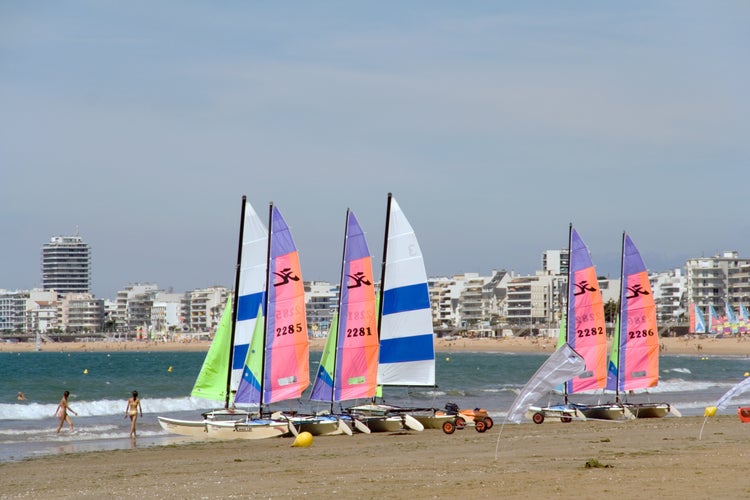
384	424
252	429
194	428
322	426
386	418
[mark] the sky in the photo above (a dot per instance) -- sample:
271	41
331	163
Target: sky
139	126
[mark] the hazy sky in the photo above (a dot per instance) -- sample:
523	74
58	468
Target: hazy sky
495	124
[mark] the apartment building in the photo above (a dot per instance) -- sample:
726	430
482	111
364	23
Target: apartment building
66	265
13	310
718	280
81	313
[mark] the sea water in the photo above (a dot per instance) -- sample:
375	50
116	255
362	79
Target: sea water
100	384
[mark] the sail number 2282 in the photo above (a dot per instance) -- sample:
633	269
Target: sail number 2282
590	332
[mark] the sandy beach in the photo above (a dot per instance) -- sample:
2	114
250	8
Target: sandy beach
660	458
670	345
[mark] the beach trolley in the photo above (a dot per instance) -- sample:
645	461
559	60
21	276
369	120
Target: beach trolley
477	418
566	413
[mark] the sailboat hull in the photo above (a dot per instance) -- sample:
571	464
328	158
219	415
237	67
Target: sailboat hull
321	426
385	418
384	424
434	421
194	428
603	412
252	429
649	410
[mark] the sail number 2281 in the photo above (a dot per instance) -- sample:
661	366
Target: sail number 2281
358	332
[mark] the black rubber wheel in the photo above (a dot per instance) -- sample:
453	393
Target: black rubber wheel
449	427
489	422
481	426
538	417
566	419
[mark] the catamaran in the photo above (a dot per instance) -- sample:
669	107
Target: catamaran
407	339
584	330
277	364
221	372
349	371
634	358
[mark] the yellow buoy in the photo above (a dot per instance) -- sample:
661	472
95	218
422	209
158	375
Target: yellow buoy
169	369
448	359
747	374
303	440
710	411
85	371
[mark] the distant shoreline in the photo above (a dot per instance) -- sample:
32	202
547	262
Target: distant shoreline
693	346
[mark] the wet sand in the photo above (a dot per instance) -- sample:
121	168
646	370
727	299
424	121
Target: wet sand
660	458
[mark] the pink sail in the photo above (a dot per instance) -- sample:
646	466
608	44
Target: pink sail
635	355
585	326
358	343
287	371
281	359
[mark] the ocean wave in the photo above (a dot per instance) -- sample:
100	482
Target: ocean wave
37	411
678	370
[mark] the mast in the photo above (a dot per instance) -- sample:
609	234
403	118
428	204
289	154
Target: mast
385	258
381	293
619	317
338	308
567	299
234	304
265	309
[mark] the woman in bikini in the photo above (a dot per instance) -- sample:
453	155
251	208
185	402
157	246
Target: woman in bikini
62	411
132	411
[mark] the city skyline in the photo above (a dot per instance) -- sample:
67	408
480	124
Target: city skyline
494	126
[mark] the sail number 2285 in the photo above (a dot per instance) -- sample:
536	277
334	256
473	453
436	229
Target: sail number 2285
289	329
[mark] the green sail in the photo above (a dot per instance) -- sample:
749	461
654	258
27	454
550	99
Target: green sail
255	358
212	379
563	336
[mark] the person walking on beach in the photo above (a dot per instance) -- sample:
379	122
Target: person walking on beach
62	412
132	410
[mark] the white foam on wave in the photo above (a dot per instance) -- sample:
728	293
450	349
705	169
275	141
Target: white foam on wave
81	433
38	411
678	370
680	385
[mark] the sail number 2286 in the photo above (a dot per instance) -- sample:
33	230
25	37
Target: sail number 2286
639	334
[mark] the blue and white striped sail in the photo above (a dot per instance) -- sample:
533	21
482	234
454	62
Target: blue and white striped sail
700	322
251	291
407	351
